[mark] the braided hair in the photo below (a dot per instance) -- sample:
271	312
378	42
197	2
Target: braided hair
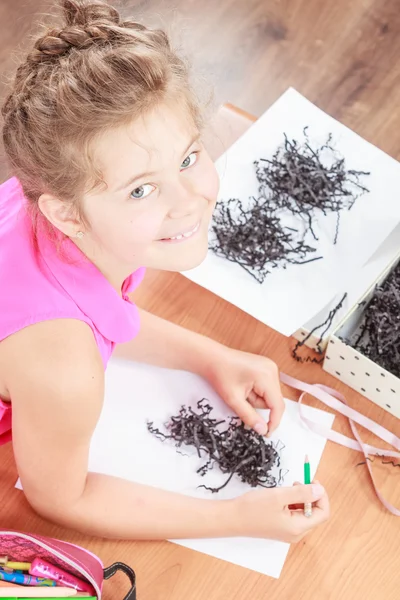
95	71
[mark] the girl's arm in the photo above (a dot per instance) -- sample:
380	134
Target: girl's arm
244	381
57	398
166	344
56	381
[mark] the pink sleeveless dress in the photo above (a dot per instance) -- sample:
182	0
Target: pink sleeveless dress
41	280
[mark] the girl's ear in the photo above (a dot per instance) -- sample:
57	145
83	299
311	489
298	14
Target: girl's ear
59	214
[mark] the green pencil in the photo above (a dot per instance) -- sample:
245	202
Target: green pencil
307	480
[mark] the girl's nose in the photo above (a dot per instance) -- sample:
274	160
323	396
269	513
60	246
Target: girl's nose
184	201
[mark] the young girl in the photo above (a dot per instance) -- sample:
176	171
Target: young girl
104	137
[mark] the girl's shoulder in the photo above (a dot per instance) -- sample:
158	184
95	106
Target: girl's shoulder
29	291
54	377
51	351
39	282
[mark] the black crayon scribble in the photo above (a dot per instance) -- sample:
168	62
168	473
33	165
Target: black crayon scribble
318	348
379	335
390	462
295	181
365	461
383	462
236	449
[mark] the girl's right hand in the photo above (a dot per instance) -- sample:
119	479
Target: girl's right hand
277	513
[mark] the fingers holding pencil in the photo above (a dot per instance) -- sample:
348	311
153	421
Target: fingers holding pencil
320	512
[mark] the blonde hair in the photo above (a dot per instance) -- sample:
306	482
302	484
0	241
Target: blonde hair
95	72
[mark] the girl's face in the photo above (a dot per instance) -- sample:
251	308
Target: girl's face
161	191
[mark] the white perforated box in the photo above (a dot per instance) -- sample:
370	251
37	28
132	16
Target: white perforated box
354	369
358	286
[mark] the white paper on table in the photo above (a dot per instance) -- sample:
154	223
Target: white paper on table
290	297
123	447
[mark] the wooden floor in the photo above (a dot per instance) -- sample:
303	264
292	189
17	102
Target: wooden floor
344	56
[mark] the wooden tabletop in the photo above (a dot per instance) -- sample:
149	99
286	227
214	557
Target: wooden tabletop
356	555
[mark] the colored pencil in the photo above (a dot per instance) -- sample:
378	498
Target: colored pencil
307	480
16	566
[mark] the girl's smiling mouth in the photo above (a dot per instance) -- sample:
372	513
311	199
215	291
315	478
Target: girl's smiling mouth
182	236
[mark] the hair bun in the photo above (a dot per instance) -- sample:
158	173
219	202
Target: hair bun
86	22
83	13
57	43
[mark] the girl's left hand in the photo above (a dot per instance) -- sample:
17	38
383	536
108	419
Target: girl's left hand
246	382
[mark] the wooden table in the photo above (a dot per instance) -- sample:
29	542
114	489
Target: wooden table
355	556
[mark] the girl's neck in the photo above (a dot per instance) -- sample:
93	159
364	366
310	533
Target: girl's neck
115	272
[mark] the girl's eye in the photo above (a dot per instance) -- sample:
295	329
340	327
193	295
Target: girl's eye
189	160
142	191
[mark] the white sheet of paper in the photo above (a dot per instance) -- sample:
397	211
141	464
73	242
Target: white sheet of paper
290	297
123	447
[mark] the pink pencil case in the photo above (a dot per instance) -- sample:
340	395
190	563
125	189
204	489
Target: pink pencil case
25	547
